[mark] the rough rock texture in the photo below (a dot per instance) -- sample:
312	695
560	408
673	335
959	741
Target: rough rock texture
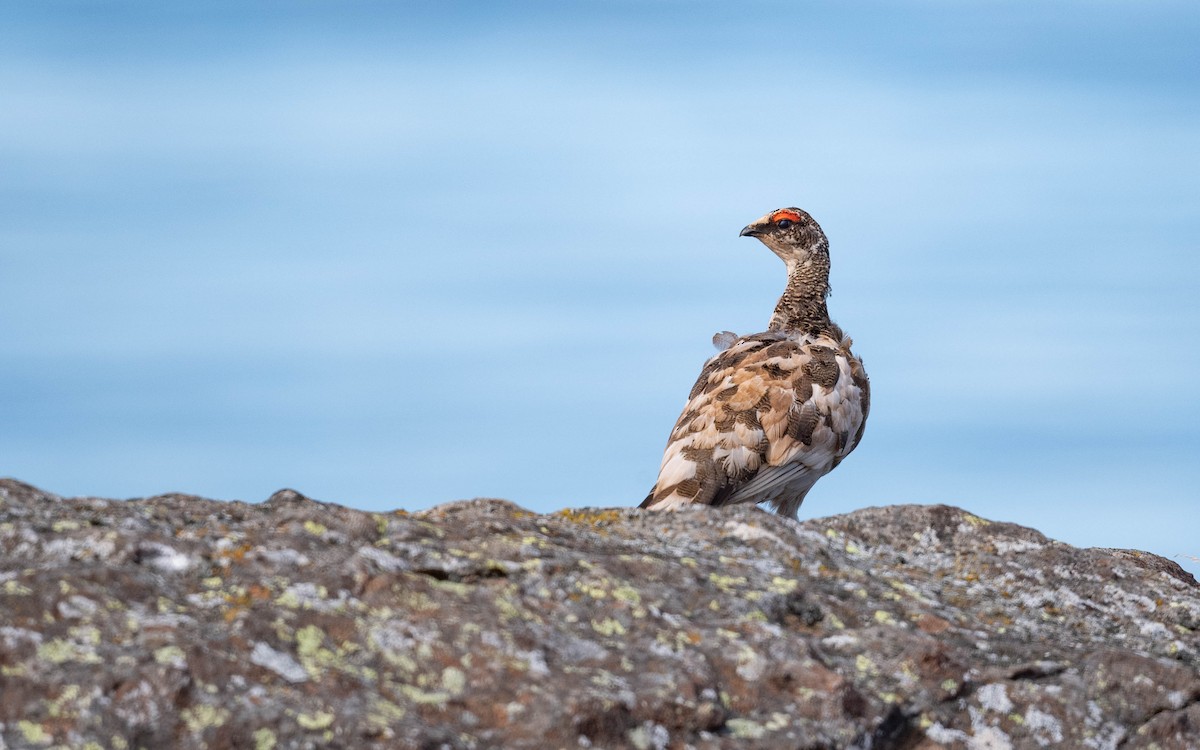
179	622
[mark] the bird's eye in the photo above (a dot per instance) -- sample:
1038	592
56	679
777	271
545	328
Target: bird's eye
784	223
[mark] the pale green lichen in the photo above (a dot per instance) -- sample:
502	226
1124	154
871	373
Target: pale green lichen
309	639
454	680
384	713
726	583
628	594
884	618
508	610
59	651
58	707
34	733
592	590
64	525
608	627
864	665
85	634
314	528
203	716
316	721
15	588
264	739
454	587
171	655
416	695
784	585
745	729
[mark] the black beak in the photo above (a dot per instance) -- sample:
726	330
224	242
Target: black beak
750	231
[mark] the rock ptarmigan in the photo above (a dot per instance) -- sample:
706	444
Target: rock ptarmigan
772	412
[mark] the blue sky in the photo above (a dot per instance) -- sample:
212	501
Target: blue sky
393	256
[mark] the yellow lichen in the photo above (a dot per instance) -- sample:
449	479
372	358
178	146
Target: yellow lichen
591	517
864	665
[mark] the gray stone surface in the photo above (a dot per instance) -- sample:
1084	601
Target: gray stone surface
180	622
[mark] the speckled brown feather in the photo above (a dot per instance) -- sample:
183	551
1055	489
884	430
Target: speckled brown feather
774	411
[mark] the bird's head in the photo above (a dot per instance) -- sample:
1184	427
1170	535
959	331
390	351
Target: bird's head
791	234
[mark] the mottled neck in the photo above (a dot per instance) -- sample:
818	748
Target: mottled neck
802	306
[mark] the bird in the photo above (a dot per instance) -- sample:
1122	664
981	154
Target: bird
771	412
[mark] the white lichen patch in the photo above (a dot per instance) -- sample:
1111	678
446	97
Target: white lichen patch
278	662
944	735
750	665
1008	547
165	558
76	607
1046	728
748	533
840	641
994	697
649	736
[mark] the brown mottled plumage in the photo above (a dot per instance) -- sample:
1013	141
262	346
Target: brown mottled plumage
772	412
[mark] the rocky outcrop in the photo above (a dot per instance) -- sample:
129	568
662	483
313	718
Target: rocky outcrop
179	622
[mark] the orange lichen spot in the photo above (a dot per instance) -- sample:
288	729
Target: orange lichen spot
235	554
783	213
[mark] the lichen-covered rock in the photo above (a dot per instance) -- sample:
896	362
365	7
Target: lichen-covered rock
179	622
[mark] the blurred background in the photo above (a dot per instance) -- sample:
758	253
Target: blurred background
394	255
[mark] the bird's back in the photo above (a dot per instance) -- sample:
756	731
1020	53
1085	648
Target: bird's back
766	419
